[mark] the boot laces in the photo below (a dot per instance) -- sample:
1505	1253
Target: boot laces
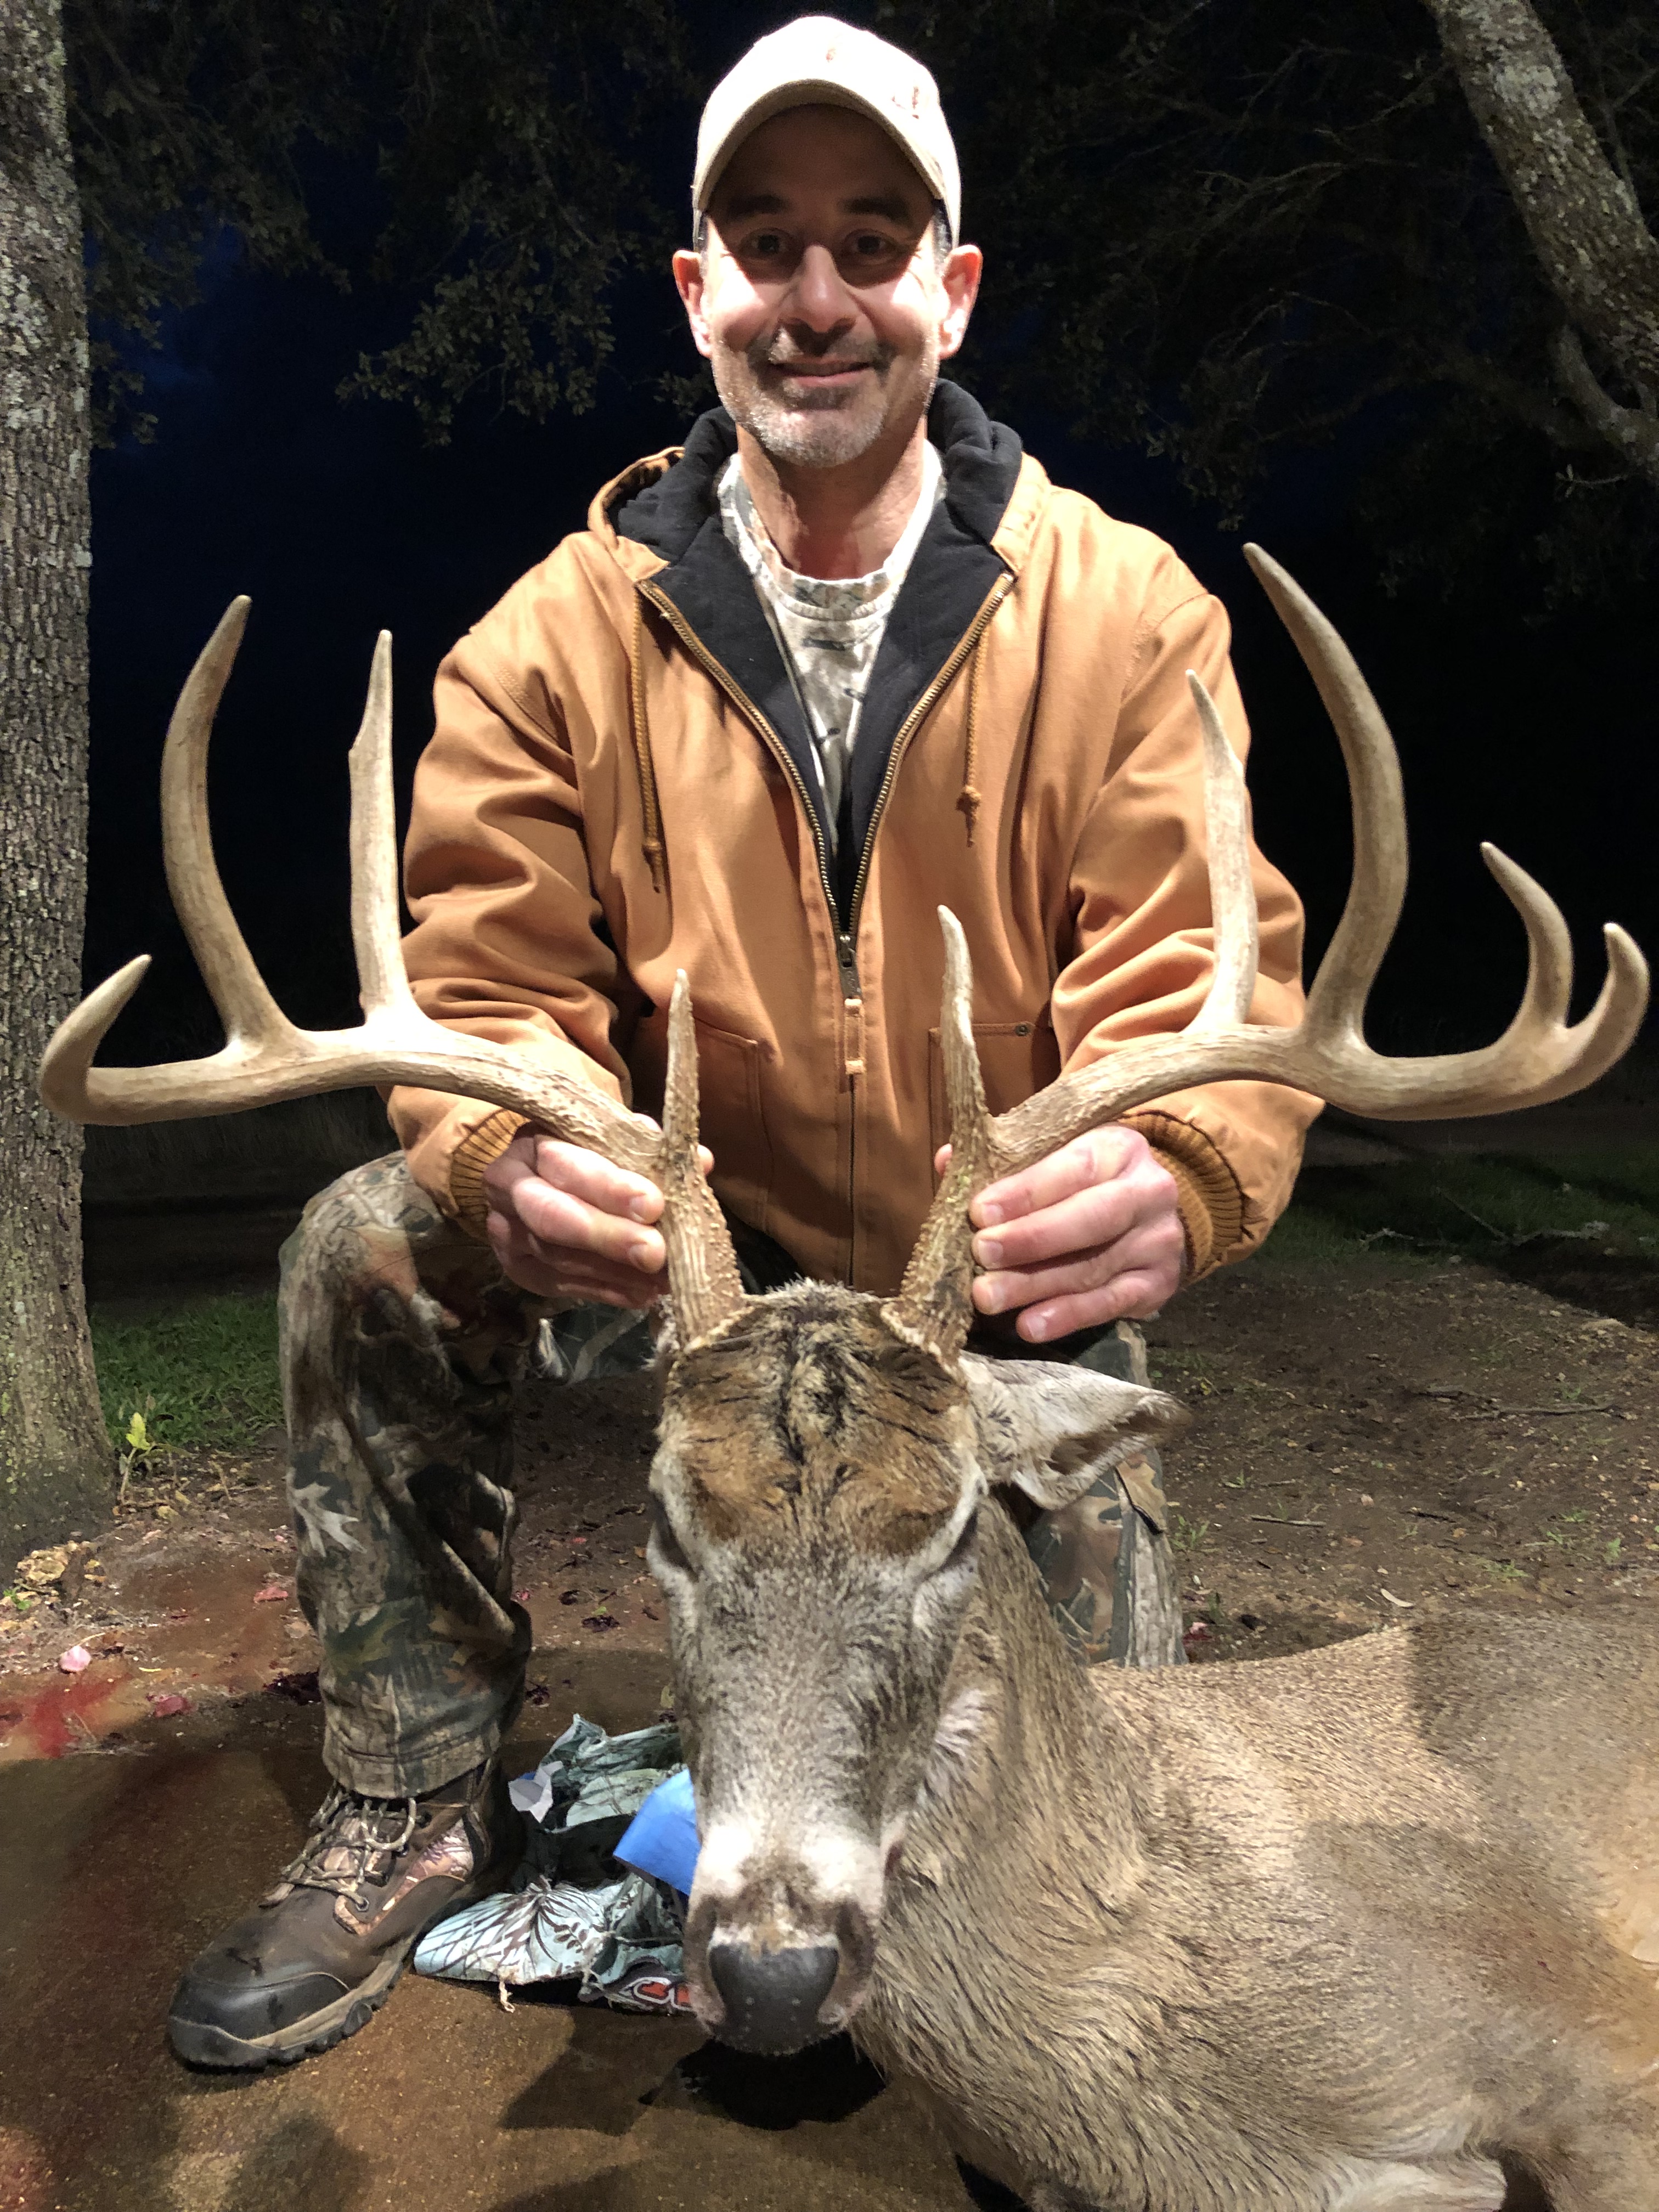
354	1841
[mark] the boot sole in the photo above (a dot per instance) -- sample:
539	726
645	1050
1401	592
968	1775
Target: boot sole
199	2042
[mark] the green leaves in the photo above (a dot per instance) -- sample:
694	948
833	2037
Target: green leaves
1238	235
504	142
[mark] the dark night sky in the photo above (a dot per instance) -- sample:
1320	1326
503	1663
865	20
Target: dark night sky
338	520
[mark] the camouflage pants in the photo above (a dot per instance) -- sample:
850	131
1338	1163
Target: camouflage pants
402	1342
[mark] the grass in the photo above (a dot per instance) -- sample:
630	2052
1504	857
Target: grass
1481	1205
202	1373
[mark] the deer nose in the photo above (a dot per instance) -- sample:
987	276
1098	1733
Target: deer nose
772	1997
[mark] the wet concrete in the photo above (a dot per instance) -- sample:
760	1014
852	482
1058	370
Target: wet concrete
116	1866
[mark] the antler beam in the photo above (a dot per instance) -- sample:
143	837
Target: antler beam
1539	1057
265	1057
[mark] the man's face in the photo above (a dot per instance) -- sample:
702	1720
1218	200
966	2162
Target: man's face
820	301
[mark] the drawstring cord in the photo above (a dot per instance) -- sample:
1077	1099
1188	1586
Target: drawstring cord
652	844
968	798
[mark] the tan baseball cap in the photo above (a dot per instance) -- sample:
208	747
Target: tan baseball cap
817	59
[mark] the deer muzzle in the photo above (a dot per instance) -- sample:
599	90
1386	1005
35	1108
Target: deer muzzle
780	1942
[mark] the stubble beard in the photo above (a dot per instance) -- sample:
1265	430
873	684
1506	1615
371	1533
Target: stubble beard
841	427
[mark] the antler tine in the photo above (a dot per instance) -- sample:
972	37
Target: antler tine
1232	895
376	932
703	1264
266	1057
250	1016
1538	1058
933	1307
1376	891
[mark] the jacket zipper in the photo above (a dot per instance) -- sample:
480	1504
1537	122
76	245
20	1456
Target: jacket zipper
846	957
846	939
923	706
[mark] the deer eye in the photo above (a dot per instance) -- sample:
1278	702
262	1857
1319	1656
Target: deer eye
665	1548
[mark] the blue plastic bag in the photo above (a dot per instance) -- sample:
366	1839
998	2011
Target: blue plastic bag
661	1839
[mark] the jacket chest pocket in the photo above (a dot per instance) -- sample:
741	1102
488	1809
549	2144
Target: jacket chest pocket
731	1121
1016	1060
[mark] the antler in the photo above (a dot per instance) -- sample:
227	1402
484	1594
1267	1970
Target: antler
266	1057
1539	1057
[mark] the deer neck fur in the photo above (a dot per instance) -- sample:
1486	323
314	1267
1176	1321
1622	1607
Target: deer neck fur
1030	1792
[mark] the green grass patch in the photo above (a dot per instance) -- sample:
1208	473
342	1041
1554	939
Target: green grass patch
1482	1205
202	1373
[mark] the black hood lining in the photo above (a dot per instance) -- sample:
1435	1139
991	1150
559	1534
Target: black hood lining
954	571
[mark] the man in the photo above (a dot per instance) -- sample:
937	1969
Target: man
846	657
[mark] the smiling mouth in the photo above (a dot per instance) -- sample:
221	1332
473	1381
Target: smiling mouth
818	371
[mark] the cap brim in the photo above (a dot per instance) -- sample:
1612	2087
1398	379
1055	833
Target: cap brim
810	92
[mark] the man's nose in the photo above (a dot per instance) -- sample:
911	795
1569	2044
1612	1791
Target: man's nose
772	1998
820	297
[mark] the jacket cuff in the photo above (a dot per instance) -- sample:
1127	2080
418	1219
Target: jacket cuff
1207	1193
469	1160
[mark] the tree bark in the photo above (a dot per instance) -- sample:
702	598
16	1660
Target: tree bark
1596	253
55	1458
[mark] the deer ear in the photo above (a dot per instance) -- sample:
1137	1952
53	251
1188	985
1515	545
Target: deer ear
1052	1431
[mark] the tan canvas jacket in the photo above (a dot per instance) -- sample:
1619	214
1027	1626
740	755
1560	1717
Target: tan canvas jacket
620	785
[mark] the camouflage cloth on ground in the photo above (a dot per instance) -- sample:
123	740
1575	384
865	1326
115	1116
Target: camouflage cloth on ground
402	1342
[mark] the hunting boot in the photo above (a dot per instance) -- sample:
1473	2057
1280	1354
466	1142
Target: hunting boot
319	1953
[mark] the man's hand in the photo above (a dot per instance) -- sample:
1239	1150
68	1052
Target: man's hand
1087	1236
566	1223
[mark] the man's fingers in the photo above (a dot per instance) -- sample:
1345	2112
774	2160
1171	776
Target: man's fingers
554	1272
1095	1158
596	1180
554	1219
1155	1249
1131	1296
1089	1218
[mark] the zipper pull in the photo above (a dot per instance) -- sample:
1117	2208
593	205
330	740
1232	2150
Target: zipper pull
852	1006
853	1013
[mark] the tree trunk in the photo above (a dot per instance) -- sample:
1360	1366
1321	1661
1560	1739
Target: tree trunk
1598	254
55	1459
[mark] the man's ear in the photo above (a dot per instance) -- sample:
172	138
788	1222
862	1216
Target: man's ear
1053	1431
691	282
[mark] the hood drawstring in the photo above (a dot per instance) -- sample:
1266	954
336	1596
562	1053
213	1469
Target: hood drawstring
968	798
652	844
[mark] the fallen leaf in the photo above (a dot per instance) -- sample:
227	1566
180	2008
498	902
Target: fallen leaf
599	1620
272	1593
39	1570
76	1660
1405	1604
522	1597
167	1704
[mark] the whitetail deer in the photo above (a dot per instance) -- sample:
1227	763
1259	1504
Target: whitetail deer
1371	1928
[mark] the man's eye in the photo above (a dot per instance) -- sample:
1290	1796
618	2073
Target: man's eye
768	245
870	246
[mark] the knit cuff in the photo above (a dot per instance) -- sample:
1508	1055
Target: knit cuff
1207	1193
470	1158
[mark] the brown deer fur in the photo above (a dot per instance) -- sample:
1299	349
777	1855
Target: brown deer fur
1367	1928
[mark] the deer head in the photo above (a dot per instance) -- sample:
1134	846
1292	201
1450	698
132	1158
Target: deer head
818	1488
825	1456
